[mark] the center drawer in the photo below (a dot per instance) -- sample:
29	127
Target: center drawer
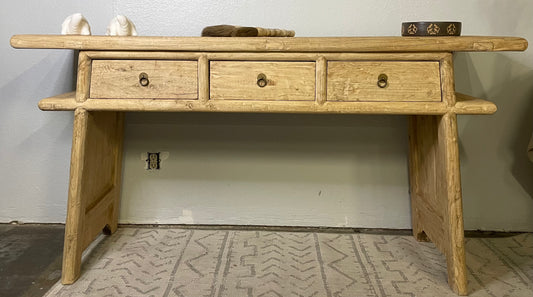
384	81
241	80
144	79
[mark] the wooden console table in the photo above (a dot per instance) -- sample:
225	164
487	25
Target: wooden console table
360	75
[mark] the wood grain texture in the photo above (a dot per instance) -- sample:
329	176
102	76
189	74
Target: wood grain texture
450	187
64	102
425	204
262	56
406	81
118	150
94	188
447	80
72	248
266	32
167	79
435	183
203	79
465	105
265	44
285	81
321	80
308	75
98	218
84	78
103	172
238	31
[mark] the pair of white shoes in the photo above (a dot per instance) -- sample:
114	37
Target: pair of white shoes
76	24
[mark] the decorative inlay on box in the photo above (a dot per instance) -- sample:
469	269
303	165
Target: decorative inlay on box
431	29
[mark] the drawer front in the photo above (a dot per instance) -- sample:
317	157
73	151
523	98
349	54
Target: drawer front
403	81
163	79
239	80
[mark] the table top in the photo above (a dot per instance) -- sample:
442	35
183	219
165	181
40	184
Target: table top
272	44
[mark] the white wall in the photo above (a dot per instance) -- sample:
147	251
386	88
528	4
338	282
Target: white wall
264	169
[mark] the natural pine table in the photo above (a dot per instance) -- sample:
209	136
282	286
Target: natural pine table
359	75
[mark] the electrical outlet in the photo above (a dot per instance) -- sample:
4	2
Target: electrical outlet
153	161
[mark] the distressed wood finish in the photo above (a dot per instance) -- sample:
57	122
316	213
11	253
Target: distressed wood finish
302	75
238	31
447	80
436	203
394	108
84	77
465	105
166	79
286	81
275	44
263	56
94	189
435	182
203	79
73	246
321	80
406	81
471	105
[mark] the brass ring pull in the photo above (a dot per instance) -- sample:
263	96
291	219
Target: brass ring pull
143	79
262	80
382	81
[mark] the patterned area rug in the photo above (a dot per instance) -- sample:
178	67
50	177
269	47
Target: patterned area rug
185	262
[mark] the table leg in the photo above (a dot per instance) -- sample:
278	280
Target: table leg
94	189
436	202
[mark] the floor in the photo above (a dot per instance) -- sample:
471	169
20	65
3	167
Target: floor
208	261
30	259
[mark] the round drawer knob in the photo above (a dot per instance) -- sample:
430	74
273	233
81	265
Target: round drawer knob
382	81
261	80
143	79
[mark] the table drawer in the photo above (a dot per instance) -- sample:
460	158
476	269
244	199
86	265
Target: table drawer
163	79
402	81
285	81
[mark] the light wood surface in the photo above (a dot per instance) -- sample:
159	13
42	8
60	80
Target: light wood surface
165	79
264	56
84	77
406	81
285	81
265	44
117	150
266	32
436	191
321	80
94	189
73	246
392	108
471	105
269	75
238	31
435	182
203	78
447	80
465	105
